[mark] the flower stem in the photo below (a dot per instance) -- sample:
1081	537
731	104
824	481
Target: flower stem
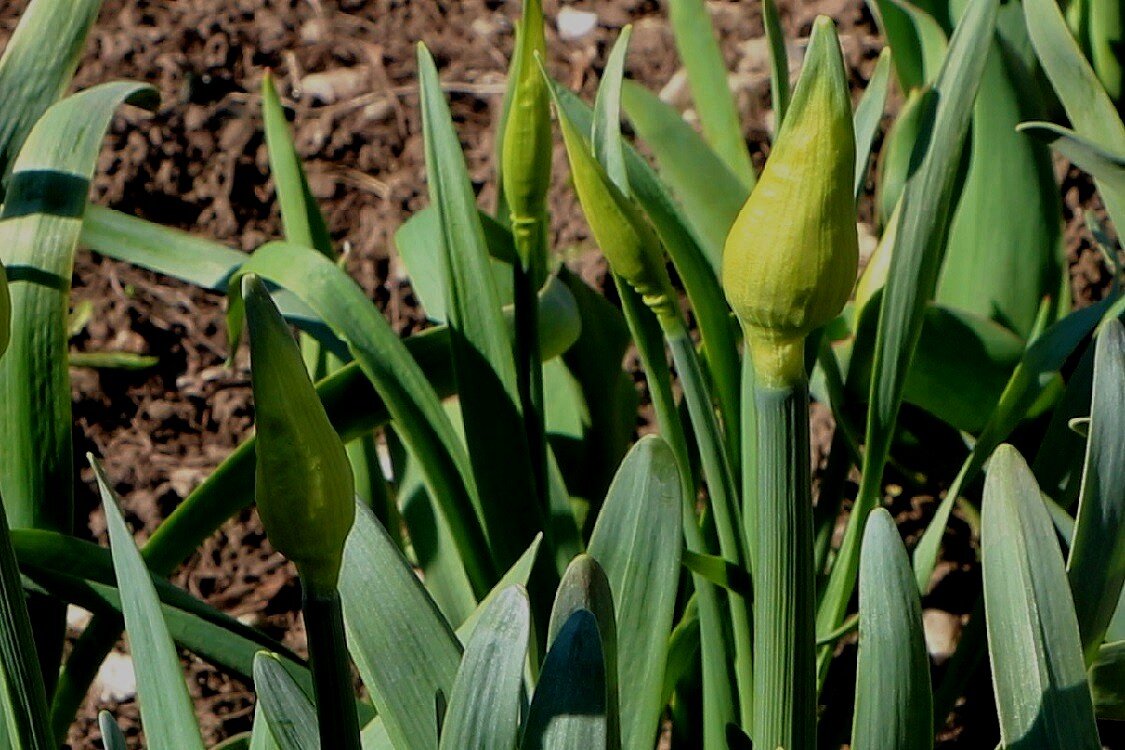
784	590
332	675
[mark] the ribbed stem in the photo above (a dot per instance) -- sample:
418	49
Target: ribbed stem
784	591
332	675
724	498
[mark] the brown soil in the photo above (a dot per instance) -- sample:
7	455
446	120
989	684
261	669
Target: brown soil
346	69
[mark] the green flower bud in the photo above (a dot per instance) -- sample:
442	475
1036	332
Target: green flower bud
620	228
303	483
525	159
790	260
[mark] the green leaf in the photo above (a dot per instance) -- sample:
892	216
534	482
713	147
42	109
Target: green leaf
779	62
585	588
1096	565
868	114
1105	166
301	219
166	708
82	573
1039	679
42	218
419	245
605	134
720	572
1107	681
568	709
289	713
484	707
260	736
23	705
1093	115
894	707
707	76
960	368
31	81
920	234
405	651
517	575
411	401
699	278
127	361
637	541
112	739
481	350
915	37
1032	376
1009	217
709	205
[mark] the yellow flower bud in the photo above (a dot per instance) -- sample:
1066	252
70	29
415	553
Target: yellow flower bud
525	159
303	483
790	259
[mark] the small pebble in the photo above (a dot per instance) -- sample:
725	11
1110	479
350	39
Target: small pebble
942	632
575	24
116	681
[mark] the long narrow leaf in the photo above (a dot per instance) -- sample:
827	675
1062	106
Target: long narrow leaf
484	706
868	113
894	706
707	75
1096	565
406	652
1039	678
31	81
289	713
166	707
637	542
920	235
481	349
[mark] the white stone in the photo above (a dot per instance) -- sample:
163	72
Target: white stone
116	680
575	24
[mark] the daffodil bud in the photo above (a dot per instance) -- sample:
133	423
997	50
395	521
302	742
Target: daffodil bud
303	482
620	228
790	259
525	159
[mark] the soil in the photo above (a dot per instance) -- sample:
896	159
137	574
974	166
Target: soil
346	71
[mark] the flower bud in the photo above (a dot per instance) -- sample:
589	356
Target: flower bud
525	158
620	228
790	259
303	483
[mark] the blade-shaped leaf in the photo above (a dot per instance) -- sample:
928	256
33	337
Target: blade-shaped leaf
920	234
894	706
868	114
568	709
915	37
484	707
166	708
1107	681
637	541
481	350
112	739
31	81
709	205
1096	565
1087	105
1009	217
517	575
289	713
707	76
405	651
1039	679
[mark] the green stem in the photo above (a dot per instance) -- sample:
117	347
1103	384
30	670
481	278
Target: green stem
530	239
332	674
718	699
724	499
784	592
